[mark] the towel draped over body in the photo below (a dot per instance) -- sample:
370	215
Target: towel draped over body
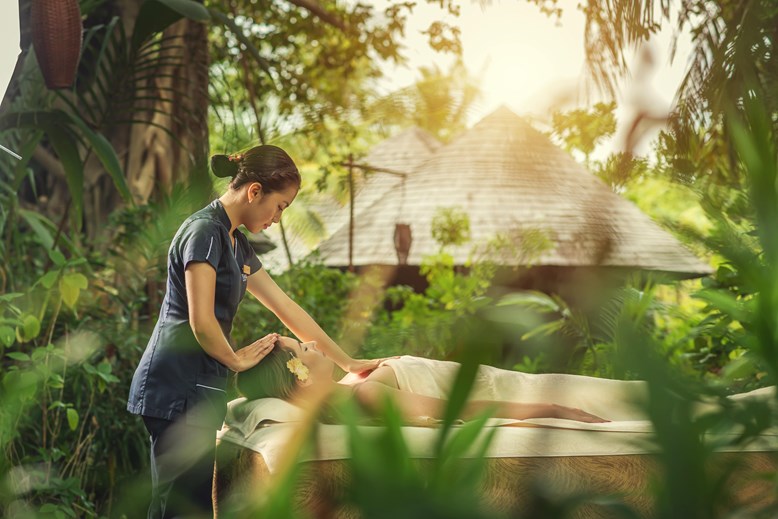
615	400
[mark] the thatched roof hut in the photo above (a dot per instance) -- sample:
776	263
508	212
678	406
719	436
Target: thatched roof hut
512	181
400	154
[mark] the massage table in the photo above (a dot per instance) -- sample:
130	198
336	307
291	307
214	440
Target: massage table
260	439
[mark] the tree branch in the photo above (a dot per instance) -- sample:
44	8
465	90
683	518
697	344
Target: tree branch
316	9
49	161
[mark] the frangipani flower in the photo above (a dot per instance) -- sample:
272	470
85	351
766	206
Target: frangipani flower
298	369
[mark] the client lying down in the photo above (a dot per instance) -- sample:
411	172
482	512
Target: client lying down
417	386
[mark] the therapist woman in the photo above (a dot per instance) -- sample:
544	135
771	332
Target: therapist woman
179	387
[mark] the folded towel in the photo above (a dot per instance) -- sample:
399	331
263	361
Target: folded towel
246	415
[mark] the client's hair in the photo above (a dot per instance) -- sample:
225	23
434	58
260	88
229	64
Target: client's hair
269	378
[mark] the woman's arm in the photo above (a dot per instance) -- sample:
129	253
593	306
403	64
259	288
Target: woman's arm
262	286
200	292
373	396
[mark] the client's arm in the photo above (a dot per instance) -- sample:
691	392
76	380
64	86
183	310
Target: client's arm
373	395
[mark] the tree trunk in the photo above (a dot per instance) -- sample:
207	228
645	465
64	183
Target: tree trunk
173	147
156	160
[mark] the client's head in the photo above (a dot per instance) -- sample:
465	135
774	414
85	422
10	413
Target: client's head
287	367
269	378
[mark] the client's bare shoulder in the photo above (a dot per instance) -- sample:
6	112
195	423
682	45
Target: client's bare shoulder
382	374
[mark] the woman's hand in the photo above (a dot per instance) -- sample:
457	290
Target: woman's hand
364	366
571	413
249	356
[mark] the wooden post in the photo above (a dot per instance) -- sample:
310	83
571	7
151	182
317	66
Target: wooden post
364	167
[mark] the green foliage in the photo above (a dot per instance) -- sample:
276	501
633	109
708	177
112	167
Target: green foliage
621	168
732	52
308	64
75	124
72	327
58	412
423	323
728	342
518	247
450	227
581	129
308	83
594	336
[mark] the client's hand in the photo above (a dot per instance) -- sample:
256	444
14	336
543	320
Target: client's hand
249	356
570	413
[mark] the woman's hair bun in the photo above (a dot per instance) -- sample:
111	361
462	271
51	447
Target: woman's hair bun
225	166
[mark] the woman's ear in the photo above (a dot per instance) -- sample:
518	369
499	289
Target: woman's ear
254	191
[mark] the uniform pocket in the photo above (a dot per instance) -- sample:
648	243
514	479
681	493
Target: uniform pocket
206	405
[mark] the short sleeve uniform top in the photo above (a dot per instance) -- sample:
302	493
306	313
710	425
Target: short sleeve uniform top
175	376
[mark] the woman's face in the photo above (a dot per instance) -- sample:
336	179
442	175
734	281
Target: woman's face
266	208
320	367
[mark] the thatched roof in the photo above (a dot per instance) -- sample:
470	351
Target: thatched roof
511	179
400	153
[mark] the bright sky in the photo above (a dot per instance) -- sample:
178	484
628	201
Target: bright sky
9	42
529	61
524	59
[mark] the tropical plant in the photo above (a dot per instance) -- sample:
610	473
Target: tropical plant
127	90
731	52
581	130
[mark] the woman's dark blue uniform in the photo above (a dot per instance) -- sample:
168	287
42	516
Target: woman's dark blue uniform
179	389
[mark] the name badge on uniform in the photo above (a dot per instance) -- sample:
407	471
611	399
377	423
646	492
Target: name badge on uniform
246	269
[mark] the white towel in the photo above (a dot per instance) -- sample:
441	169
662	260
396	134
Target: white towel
616	400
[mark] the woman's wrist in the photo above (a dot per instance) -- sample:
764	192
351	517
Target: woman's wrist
347	364
233	364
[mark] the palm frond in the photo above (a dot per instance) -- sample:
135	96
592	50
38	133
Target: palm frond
730	42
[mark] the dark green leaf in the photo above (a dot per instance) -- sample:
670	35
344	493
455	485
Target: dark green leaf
49	278
29	329
7	335
72	415
38	354
157	15
105	152
65	145
36	222
26	152
18	355
57	257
